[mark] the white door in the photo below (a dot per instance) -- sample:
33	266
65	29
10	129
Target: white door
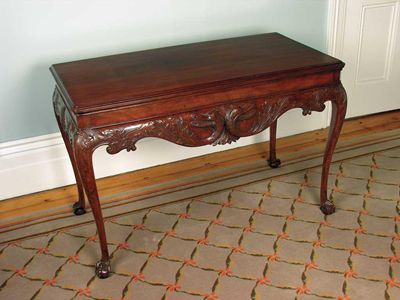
368	41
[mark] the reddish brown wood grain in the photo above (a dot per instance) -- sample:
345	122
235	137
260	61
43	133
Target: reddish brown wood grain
205	93
131	78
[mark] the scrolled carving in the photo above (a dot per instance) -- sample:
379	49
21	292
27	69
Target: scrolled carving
125	137
217	126
213	120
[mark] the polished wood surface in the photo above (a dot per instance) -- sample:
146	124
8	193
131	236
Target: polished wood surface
133	78
193	95
155	83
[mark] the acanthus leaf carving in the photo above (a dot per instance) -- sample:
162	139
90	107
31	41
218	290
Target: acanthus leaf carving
217	126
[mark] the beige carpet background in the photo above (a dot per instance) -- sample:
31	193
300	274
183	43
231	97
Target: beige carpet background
266	240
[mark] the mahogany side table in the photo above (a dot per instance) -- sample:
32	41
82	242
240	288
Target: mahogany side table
197	94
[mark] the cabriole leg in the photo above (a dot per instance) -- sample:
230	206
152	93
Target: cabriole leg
85	164
339	105
79	206
273	162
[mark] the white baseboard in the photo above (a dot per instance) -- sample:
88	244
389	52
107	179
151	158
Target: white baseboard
41	163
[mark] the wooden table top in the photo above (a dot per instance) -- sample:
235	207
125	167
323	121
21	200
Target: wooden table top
128	79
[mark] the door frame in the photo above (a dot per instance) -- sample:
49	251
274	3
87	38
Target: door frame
335	28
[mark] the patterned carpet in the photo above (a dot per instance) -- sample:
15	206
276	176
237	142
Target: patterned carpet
262	241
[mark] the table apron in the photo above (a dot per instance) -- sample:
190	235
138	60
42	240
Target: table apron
176	103
215	125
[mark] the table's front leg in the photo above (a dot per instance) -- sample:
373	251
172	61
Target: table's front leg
339	106
79	206
63	120
83	150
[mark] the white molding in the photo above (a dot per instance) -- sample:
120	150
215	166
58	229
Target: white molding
332	26
29	144
390	43
334	36
331	30
41	163
340	28
336	22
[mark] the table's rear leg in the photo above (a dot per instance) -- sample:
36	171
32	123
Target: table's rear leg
85	164
79	206
339	105
273	162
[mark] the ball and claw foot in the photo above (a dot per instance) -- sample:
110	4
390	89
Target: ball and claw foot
327	208
78	209
275	163
103	269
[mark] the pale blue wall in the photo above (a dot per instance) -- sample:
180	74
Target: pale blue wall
35	34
